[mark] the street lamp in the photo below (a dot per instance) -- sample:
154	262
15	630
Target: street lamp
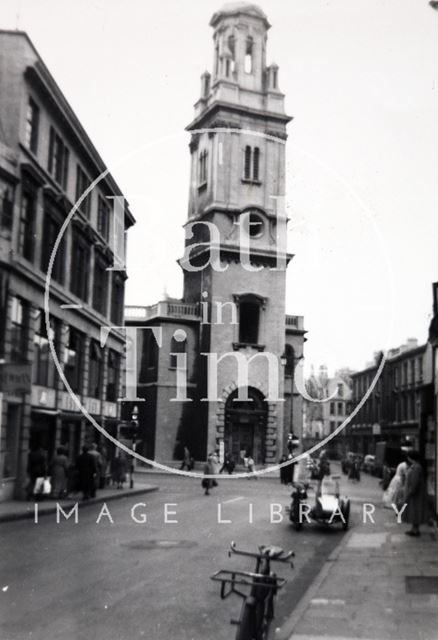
134	429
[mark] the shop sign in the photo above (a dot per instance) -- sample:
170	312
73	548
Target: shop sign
66	402
43	397
15	378
110	409
92	405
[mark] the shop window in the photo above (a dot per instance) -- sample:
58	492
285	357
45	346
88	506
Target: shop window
20	315
74	359
95	361
10	442
112	387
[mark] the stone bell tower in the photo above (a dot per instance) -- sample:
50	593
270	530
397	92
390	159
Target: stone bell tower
237	185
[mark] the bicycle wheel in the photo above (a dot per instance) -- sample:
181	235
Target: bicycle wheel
245	629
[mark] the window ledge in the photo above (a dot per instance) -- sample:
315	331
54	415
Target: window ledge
254	182
246	345
202	187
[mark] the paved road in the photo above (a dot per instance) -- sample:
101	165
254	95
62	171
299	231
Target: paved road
124	580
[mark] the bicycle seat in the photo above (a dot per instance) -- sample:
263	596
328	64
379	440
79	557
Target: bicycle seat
272	551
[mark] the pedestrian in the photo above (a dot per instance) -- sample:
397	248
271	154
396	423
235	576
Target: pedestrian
284	470
415	495
395	493
36	468
59	470
87	470
228	464
187	460
209	483
354	472
118	470
251	467
93	451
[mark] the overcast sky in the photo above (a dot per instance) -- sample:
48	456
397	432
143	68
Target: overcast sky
360	78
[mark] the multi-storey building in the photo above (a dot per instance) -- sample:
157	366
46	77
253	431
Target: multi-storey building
46	162
400	406
321	419
232	309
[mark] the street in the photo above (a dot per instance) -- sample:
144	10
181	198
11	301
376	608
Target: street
129	580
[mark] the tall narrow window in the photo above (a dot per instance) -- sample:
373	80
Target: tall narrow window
255	163
249	313
112	386
82	183
80	258
100	286
51	229
58	159
32	125
149	359
26	233
248	55
95	369
20	315
290	360
103	218
117	300
176	347
203	167
274	78
73	357
247	165
216	58
6	205
43	366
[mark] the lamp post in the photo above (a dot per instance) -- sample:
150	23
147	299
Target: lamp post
134	429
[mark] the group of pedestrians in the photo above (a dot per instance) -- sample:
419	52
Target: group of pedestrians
61	477
408	487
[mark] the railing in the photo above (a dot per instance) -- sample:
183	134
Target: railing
166	309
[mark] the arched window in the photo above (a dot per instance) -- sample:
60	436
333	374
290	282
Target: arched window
176	346
248	55
290	360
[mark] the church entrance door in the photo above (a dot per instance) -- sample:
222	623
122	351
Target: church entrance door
245	426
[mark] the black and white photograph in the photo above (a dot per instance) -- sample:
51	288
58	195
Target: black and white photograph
218	320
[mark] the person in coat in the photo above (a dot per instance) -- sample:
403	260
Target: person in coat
36	468
87	470
415	495
99	464
209	469
59	469
118	470
187	460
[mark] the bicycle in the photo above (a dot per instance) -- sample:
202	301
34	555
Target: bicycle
257	608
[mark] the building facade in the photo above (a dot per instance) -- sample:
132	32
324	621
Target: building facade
321	419
399	409
47	161
233	304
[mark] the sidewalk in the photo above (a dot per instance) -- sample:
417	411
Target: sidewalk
379	584
21	510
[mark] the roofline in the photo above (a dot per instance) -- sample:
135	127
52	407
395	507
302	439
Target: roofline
51	86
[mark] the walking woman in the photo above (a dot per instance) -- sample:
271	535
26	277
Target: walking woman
209	469
415	495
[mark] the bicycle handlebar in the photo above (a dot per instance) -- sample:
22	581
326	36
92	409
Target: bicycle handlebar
273	553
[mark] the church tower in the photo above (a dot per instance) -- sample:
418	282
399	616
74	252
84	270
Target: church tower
236	208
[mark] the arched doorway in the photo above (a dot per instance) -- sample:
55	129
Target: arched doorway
245	425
